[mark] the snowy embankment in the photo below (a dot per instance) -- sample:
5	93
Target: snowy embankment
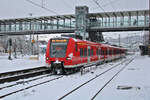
19	63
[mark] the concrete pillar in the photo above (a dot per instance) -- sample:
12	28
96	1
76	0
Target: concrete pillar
137	18
70	22
116	21
109	21
10	27
15	26
51	23
20	26
102	21
82	22
64	22
30	25
145	18
4	27
129	19
0	27
41	25
57	23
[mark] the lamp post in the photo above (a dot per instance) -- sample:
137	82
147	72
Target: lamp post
32	41
119	40
149	32
10	46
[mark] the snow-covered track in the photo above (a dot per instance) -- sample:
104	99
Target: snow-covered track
27	81
111	79
22	74
78	87
11	93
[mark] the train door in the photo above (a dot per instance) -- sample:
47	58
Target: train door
108	56
89	54
99	53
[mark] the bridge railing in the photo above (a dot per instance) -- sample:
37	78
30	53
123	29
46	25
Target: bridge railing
36	26
118	24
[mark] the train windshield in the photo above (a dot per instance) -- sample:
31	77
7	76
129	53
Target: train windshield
58	48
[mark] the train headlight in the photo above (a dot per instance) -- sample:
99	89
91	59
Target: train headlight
47	58
70	56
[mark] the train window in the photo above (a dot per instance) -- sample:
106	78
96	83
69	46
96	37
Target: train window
81	52
89	52
97	52
102	52
117	51
85	52
58	49
106	52
76	47
110	52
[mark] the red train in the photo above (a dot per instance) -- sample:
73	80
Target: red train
69	54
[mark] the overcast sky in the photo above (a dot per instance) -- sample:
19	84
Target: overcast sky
22	8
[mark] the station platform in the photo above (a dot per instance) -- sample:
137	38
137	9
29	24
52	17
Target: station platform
22	62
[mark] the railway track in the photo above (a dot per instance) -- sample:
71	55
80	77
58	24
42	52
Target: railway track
22	74
78	87
11	93
40	83
27	81
111	80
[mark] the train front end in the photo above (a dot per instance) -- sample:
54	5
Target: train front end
56	54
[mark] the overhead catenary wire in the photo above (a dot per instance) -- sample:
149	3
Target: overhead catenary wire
47	9
106	4
112	5
68	5
96	2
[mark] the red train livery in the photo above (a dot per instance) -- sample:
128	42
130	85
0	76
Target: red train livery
68	54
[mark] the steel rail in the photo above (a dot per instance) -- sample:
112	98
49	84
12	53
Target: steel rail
5	74
21	82
21	74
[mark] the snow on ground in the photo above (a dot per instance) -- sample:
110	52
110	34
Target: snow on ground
53	90
22	62
135	75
